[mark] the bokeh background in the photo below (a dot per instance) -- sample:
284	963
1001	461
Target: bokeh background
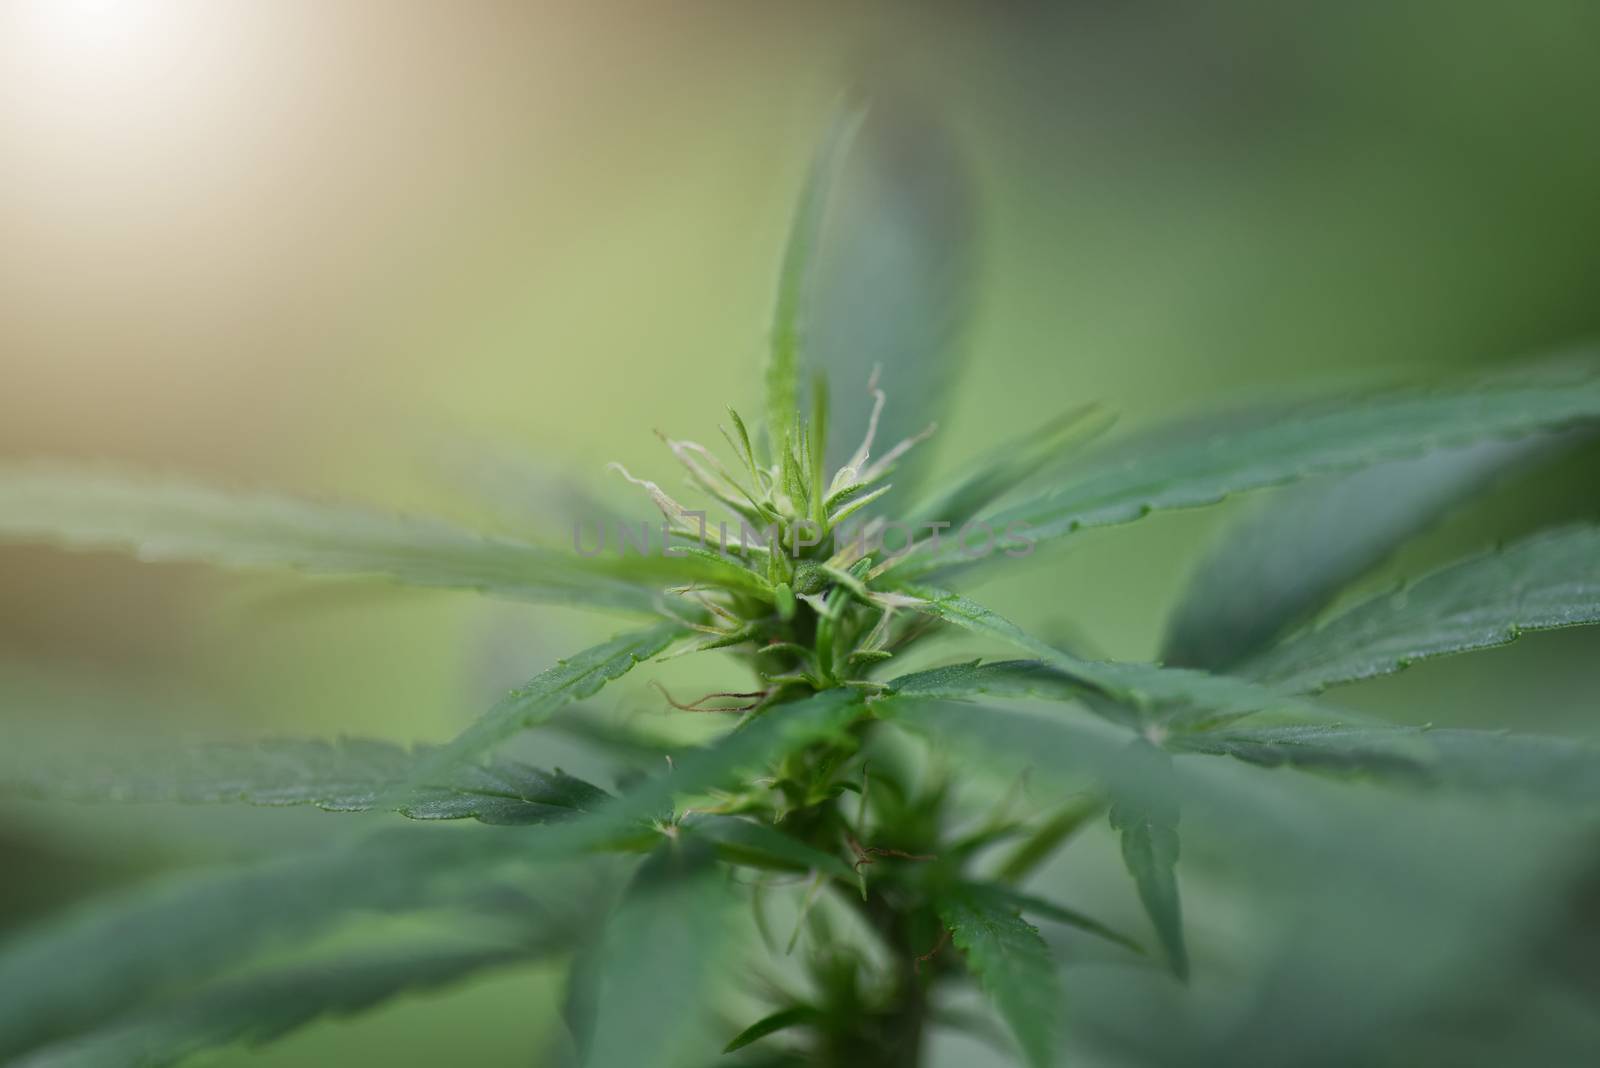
413	254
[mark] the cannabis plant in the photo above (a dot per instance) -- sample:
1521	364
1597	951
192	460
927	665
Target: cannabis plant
816	881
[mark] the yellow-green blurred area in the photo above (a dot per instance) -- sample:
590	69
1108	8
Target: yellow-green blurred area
414	254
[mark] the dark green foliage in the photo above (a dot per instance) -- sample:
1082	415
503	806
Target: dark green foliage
760	845
861	793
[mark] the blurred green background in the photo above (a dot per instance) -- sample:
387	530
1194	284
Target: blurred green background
410	253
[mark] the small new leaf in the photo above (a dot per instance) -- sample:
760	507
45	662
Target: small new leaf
1061	914
1010	961
782	1020
1148	822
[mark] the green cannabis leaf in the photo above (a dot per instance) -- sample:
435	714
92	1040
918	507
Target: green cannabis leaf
1556	769
168	520
69	977
262	1008
1149	831
1296	552
1547	581
1011	962
569	680
347	775
663	951
1321	439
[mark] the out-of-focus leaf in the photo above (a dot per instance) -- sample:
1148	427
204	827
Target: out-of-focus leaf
262	1008
163	519
1556	769
1298	549
347	775
441	783
1062	748
778	731
1547	581
663	958
1009	466
742	841
623	739
1397	911
1137	777
622	821
116	954
1214	698
1066	821
892	286
772	1023
567	681
1364	878
516	491
1148	822
791	315
578	1000
1010	961
1323	439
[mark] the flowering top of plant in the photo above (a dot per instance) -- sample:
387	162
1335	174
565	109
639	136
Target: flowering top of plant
846	786
793	574
804	595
